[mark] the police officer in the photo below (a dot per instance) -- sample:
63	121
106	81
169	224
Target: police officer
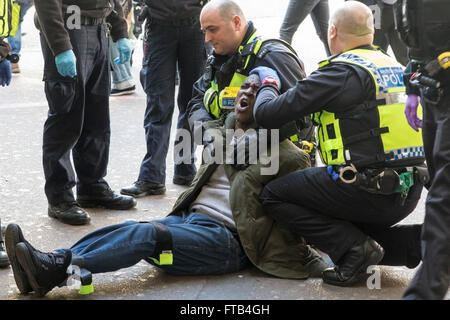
77	83
372	180
238	49
172	36
425	27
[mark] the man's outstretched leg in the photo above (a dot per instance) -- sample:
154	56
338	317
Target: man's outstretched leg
200	245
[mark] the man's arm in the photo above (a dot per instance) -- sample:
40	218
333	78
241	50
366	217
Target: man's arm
196	109
290	69
119	27
51	23
310	95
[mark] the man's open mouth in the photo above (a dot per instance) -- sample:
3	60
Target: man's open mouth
243	104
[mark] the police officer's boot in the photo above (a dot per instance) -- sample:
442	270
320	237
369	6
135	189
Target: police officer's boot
13	236
44	270
353	263
4	261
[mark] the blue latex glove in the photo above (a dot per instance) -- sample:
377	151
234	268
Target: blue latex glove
412	102
66	64
5	73
123	45
265	72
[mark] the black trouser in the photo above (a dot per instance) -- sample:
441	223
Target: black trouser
78	117
166	47
388	35
334	216
432	280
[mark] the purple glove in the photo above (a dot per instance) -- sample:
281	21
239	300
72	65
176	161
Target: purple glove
412	102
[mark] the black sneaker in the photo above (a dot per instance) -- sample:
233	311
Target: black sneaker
13	236
44	270
69	213
121	92
182	180
144	188
107	199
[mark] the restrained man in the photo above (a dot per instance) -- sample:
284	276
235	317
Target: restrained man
77	85
374	174
216	226
238	48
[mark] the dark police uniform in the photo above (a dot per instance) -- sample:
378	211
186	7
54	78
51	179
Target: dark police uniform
316	204
78	117
425	28
172	36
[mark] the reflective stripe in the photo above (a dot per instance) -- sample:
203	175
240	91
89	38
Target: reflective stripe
398	140
86	289
165	258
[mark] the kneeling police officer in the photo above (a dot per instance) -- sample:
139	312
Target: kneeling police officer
375	161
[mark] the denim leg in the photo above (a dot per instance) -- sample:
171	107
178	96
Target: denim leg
115	247
191	65
120	72
203	246
16	41
158	81
296	12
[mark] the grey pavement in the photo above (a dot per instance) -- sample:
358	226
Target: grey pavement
23	110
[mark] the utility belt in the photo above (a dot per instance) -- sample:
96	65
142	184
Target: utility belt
384	181
87	21
176	22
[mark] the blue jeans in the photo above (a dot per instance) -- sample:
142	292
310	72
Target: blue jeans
298	10
16	41
164	47
201	246
120	72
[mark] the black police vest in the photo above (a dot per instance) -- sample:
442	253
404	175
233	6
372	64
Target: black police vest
424	26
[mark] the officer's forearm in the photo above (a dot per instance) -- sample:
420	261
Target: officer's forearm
267	109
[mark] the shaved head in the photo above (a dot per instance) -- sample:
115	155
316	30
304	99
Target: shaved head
224	25
351	25
227	9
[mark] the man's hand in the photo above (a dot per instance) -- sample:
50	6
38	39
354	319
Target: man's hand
66	64
5	73
267	75
123	45
412	102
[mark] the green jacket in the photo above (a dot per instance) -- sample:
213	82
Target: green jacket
269	247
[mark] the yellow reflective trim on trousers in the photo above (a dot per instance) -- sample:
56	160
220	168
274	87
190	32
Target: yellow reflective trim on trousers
165	258
87	289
